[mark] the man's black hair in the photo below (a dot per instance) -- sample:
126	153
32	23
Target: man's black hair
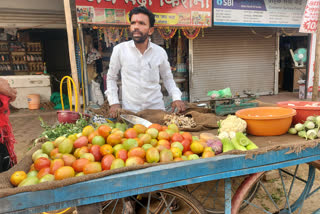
145	11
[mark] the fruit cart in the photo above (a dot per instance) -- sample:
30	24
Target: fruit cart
163	177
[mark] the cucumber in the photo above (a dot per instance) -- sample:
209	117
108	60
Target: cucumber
226	145
251	146
236	145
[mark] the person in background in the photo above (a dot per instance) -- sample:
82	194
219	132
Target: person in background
7	155
141	64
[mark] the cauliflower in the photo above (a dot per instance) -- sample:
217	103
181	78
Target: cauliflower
232	124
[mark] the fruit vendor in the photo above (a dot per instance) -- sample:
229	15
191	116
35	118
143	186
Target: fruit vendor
141	63
7	156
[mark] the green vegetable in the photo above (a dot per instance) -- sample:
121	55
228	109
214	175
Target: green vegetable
292	131
303	134
311	118
251	146
236	145
242	139
317	120
62	129
226	145
311	134
309	125
299	127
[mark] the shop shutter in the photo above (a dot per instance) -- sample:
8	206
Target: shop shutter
34	14
236	57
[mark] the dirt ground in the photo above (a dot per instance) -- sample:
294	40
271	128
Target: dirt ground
26	127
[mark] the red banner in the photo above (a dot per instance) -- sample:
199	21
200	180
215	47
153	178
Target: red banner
196	13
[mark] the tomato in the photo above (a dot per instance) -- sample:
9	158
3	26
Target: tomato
176	137
107	161
92	167
43	172
78	164
98	140
106	149
87	130
17	177
41	162
104	130
130	133
64	172
187	136
156	126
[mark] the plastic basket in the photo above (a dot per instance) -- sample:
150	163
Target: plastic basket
303	109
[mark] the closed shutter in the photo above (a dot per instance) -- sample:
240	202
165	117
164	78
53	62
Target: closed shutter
34	14
236	57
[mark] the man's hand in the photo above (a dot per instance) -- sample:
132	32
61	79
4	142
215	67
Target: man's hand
179	105
114	109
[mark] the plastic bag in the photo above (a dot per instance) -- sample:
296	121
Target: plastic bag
224	93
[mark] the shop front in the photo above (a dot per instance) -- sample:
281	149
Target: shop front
105	24
248	49
33	47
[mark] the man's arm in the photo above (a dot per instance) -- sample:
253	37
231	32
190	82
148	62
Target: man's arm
112	88
170	85
7	90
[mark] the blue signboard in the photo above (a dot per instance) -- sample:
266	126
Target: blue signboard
259	13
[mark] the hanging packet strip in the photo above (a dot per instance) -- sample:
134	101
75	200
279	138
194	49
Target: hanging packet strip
223	93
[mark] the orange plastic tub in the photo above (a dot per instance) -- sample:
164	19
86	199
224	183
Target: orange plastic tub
303	108
267	121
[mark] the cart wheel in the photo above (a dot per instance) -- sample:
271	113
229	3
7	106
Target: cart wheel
282	195
211	193
162	201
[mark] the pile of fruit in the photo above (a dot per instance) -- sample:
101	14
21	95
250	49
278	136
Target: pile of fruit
112	146
308	130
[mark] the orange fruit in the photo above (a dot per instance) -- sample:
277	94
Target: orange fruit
156	126
41	163
113	139
86	131
140	128
92	167
130	133
92	135
43	172
106	149
78	164
196	147
104	130
64	172
17	177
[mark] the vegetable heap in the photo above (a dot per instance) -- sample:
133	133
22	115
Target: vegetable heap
62	129
231	134
309	130
229	126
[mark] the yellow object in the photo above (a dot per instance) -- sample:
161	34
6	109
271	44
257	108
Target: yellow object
17	177
63	211
34	101
69	81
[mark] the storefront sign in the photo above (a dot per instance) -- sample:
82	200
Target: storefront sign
259	13
168	12
310	17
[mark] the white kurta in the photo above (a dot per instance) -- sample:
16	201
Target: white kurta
140	77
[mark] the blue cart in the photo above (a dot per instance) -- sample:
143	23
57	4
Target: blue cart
160	179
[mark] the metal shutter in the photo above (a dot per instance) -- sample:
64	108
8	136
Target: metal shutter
236	57
34	14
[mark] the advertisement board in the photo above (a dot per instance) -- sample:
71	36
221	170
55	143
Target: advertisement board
184	13
259	13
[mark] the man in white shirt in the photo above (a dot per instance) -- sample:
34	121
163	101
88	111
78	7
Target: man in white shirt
141	64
